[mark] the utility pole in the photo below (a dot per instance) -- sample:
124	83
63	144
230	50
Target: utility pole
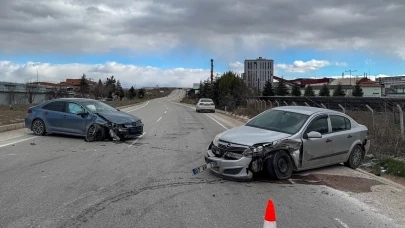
37	75
351	71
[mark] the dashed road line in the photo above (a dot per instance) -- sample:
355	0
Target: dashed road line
342	223
136	140
159	119
22	140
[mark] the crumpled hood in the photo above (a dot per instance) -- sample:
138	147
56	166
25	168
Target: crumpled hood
119	117
249	136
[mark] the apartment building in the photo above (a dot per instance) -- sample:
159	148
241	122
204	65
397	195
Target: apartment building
258	71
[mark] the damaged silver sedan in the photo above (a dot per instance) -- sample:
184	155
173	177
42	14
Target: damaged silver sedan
90	118
285	139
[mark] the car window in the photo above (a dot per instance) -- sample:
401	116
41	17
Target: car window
206	100
339	123
97	106
281	121
58	106
74	108
319	125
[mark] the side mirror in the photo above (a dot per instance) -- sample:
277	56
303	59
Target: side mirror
82	113
118	109
314	135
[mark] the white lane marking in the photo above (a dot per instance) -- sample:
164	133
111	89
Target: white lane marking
137	139
342	223
216	121
165	112
22	140
13	154
159	119
138	107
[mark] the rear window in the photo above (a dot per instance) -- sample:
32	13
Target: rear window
206	101
58	106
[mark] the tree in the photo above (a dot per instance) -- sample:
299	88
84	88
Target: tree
110	86
84	86
268	89
11	93
141	93
357	90
338	92
98	90
309	92
281	89
119	90
131	93
324	92
296	91
31	90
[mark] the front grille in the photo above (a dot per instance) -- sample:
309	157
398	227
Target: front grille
223	148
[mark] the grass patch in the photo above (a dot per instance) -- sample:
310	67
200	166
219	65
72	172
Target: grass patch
394	167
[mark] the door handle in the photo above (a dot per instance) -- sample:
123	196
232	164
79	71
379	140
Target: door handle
328	140
349	136
46	113
64	116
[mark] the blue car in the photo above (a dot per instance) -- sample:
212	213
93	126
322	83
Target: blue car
90	118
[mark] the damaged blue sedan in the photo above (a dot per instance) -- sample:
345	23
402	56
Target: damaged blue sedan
90	118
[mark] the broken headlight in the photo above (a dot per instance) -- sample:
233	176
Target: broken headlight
233	155
216	139
249	152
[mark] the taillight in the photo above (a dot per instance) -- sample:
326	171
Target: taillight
201	103
29	111
212	103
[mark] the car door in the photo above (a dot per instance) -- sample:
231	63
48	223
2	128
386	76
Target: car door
74	123
316	151
342	138
52	115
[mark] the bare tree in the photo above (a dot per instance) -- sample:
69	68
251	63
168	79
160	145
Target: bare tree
31	90
11	93
56	93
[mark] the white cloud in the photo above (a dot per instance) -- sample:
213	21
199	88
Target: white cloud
341	64
127	74
237	67
300	66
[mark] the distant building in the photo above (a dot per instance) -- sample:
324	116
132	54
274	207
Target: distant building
393	86
257	72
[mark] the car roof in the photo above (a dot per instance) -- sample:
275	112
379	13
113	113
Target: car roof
79	100
307	110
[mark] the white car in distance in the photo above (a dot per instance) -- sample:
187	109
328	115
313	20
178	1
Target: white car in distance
205	104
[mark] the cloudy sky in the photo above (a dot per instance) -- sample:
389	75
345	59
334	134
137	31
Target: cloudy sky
171	42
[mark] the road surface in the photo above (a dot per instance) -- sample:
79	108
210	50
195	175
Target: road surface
59	181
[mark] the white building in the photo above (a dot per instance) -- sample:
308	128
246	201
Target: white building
258	71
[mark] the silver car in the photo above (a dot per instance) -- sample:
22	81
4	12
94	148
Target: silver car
286	139
205	104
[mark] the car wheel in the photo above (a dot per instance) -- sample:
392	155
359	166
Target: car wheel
355	157
38	127
95	133
279	165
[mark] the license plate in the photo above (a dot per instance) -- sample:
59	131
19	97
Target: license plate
204	167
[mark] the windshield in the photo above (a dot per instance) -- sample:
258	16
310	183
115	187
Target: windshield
281	121
97	106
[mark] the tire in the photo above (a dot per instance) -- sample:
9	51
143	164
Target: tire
279	166
38	127
95	133
355	157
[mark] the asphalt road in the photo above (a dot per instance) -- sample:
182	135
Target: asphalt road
59	181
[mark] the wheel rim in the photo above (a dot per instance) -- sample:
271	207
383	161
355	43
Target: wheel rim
92	131
282	165
38	127
356	156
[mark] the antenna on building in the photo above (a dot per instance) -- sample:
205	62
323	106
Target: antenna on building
37	75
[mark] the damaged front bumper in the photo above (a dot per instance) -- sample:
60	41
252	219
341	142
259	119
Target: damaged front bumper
231	169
